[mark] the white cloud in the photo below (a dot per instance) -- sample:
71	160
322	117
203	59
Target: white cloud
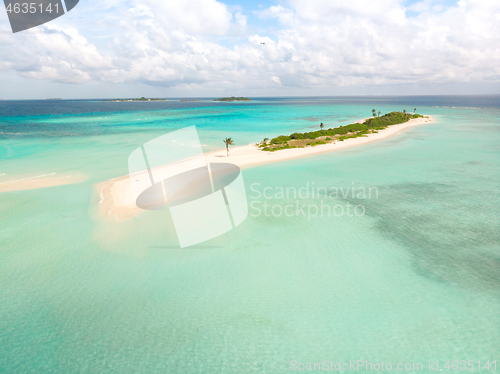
284	15
256	39
320	44
55	54
195	17
276	80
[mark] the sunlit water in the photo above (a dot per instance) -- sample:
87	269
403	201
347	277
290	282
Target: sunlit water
411	275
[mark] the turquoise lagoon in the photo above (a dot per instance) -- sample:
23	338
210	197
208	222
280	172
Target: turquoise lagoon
415	278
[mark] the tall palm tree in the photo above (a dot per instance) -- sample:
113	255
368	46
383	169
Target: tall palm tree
404	112
374	112
265	140
415	110
321	125
228	142
379	113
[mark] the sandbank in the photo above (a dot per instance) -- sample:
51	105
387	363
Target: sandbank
117	199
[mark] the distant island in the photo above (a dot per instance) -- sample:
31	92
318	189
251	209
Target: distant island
140	99
232	98
54	98
341	133
190	100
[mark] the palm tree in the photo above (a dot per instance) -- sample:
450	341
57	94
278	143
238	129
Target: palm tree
265	140
228	142
321	126
374	112
379	113
404	112
415	110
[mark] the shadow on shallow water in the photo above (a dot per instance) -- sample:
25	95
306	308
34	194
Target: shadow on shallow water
451	231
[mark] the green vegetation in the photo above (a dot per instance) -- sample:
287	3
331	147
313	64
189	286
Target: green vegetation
228	142
232	98
263	143
341	133
312	144
280	139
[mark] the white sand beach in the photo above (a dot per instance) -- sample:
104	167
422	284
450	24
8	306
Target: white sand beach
117	197
21	182
250	155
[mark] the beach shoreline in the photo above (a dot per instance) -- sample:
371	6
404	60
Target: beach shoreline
250	155
117	199
23	182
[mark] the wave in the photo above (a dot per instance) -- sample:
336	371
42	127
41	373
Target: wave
457	107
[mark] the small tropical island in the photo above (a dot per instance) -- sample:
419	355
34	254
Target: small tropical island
341	133
139	99
248	155
232	98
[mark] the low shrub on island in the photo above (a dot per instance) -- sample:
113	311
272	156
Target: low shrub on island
341	133
232	98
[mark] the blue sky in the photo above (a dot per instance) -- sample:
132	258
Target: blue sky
174	48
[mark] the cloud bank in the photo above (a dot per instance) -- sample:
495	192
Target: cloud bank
205	46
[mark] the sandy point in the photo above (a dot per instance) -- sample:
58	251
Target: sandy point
22	182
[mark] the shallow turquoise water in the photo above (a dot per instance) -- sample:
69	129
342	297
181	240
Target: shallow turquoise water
415	278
